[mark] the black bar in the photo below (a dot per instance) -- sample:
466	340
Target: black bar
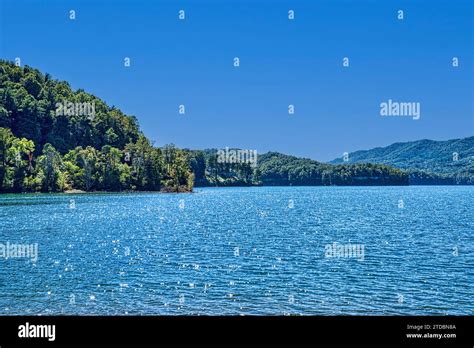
288	331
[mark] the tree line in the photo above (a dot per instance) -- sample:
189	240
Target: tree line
139	166
44	150
276	169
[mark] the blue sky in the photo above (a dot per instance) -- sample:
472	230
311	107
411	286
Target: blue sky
283	62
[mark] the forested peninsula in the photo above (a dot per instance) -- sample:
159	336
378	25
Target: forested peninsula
55	139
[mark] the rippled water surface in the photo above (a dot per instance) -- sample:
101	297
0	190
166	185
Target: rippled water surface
231	251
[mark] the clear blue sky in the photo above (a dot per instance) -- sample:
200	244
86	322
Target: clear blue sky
283	62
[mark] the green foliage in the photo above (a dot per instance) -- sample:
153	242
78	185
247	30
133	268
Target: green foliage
197	162
275	169
146	165
83	167
6	167
15	160
29	104
427	161
278	169
43	148
49	166
176	174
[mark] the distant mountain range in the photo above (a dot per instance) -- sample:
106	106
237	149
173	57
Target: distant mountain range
447	160
277	169
423	162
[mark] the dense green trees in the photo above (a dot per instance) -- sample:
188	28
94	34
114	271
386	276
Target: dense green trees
29	105
197	162
54	139
424	177
139	166
209	171
82	166
277	169
15	161
428	162
49	172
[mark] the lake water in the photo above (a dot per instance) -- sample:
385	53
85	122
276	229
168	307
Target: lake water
232	251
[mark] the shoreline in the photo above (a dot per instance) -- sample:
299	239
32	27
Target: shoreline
80	192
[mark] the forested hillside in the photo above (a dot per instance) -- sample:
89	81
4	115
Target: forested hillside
274	168
427	161
54	139
278	169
